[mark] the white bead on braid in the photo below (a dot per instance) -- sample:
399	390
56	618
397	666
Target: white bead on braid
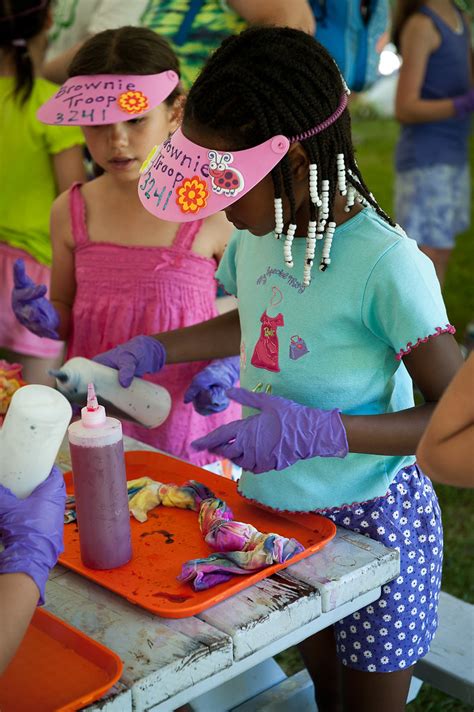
341	174
328	236
309	254
323	213
278	217
351	196
313	185
290	234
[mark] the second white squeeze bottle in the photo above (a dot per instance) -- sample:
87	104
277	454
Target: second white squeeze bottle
143	402
31	435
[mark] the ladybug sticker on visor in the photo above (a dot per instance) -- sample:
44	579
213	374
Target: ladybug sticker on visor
226	181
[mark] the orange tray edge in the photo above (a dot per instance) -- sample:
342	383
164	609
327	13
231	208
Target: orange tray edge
180	600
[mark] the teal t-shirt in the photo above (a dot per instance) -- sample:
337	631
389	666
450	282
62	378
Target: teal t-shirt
333	344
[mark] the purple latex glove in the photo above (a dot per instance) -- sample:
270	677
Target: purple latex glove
140	355
31	530
31	307
464	104
208	387
280	435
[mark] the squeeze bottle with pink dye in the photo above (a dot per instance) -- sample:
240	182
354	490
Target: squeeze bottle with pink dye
100	487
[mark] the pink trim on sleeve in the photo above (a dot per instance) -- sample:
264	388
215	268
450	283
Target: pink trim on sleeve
448	329
219	284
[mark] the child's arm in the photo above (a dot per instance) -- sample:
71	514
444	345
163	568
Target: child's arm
297	13
18	601
432	365
216	338
68	167
63	282
419	39
446	450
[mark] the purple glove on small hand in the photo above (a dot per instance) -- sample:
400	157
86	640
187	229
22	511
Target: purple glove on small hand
31	307
464	104
280	435
140	355
208	387
31	530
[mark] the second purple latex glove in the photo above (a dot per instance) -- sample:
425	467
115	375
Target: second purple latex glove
277	437
31	307
31	530
208	387
140	355
464	104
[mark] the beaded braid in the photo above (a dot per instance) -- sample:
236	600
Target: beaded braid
269	81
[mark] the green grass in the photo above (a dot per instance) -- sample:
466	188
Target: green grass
375	141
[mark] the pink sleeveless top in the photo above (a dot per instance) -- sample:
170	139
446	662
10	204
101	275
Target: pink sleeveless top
122	291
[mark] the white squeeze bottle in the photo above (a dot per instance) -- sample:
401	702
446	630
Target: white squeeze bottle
32	432
143	402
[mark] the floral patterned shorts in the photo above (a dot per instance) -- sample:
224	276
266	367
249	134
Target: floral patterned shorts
396	630
432	204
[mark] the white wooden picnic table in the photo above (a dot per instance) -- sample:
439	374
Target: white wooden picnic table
222	656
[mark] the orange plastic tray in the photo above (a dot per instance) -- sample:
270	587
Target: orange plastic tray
57	668
172	536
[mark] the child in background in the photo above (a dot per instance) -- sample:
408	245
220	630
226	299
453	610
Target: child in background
337	346
434	104
37	162
117	271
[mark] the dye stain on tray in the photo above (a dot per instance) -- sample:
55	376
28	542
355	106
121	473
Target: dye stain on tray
171	536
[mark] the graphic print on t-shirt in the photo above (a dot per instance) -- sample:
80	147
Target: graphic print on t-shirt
265	354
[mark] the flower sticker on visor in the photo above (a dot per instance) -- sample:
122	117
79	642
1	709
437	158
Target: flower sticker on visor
134	102
192	195
97	99
184	181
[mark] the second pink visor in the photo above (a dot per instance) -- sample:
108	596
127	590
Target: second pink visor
106	98
181	181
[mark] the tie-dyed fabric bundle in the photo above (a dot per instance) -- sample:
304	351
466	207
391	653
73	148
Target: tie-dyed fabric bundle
239	547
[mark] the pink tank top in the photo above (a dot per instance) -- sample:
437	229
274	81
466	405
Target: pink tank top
122	291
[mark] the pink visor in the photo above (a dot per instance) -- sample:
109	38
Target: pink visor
181	181
106	98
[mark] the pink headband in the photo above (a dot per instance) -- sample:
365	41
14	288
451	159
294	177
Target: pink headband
106	98
324	124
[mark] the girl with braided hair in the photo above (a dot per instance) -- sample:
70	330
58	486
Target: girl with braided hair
266	137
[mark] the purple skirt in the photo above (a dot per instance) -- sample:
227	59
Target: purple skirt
396	630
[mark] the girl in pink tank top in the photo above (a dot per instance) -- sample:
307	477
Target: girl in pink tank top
126	290
118	272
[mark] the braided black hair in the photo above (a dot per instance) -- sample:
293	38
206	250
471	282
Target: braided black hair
21	20
277	80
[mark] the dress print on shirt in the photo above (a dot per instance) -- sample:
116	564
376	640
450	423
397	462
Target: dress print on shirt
265	354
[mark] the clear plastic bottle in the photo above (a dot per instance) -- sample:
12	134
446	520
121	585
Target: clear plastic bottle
100	487
34	427
142	402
